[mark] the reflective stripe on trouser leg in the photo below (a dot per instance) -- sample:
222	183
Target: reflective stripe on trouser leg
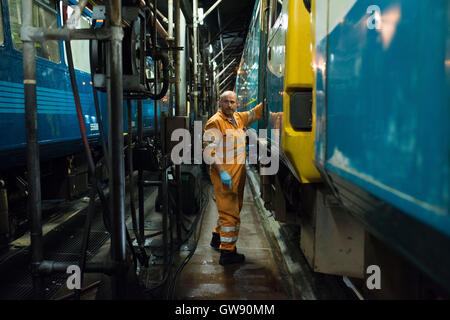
228	206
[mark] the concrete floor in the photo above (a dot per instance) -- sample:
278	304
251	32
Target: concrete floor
258	278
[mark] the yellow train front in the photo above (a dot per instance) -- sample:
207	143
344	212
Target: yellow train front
362	170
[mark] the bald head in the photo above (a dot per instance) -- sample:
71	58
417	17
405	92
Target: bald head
228	103
228	93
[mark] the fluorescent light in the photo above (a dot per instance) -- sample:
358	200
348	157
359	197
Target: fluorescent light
200	15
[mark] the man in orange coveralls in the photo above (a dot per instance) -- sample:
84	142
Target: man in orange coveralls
228	172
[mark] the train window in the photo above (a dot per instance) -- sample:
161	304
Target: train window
277	5
2	37
44	16
80	48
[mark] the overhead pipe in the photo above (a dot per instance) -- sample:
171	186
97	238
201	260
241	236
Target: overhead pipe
210	10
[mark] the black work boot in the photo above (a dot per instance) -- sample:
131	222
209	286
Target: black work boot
230	257
215	241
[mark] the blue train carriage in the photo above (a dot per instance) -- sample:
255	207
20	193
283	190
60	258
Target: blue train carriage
358	170
63	165
382	100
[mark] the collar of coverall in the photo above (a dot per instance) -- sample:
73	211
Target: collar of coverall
223	116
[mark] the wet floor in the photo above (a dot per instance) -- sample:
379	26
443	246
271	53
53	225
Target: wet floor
257	278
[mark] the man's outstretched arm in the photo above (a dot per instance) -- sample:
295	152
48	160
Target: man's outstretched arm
253	115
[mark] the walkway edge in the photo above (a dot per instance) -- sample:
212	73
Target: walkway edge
292	272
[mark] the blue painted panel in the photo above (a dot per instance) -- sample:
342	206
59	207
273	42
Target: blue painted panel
247	79
388	105
58	129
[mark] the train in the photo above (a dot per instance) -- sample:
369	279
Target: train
63	163
359	93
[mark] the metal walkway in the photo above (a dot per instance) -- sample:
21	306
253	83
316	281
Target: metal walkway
258	278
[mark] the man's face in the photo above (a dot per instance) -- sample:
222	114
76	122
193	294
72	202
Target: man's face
228	104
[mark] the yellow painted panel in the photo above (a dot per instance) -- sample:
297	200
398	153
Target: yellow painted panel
299	73
299	146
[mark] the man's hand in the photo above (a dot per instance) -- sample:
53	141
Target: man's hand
226	179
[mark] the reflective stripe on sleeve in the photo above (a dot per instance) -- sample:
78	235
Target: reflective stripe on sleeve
251	116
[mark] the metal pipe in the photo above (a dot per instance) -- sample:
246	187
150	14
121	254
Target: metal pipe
216	84
160	29
210	10
220	84
179	110
76	14
140	129
224	87
224	60
143	49
195	59
155	101
220	36
30	33
117	177
86	232
228	44
159	13
170	15
140	172
137	234
223	70
4	216
49	267
97	107
179	202
165	212
155	34
32	150
150	183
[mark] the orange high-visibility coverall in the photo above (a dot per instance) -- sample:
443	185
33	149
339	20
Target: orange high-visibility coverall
229	202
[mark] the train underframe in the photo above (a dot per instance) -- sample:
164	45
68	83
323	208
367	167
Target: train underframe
334	241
